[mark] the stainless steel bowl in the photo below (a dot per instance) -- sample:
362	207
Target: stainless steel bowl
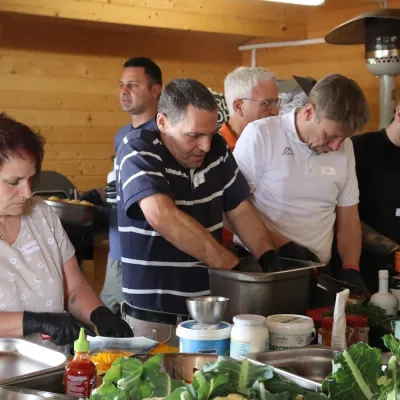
208	309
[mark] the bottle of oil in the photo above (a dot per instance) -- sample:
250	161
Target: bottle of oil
384	299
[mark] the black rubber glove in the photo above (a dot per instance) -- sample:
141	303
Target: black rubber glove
92	196
63	328
296	251
108	324
270	262
352	277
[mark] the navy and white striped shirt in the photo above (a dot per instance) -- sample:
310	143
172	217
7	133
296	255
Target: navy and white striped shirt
156	275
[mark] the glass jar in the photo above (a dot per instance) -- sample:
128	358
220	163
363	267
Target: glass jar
325	331
357	327
249	335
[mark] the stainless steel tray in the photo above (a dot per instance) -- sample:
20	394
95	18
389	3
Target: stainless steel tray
312	362
19	357
12	393
252	292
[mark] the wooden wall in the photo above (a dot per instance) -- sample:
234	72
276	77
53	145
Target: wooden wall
62	77
322	59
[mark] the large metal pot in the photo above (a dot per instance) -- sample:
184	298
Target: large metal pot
285	292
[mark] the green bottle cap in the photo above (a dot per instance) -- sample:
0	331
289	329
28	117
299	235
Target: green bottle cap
81	345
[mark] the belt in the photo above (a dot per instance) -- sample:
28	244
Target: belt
152	316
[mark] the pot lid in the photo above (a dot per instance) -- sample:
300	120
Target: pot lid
352	31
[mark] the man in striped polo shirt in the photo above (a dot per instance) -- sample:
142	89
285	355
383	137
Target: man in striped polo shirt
174	186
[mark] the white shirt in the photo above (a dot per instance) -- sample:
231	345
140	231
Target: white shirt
296	190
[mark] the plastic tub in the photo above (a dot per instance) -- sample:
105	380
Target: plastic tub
287	331
204	339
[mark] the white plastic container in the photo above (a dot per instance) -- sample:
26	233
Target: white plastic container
249	335
204	339
288	331
384	299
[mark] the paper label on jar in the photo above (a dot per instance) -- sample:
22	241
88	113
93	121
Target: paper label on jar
239	348
319	339
281	342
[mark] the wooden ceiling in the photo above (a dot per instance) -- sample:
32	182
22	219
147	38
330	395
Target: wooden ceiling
244	19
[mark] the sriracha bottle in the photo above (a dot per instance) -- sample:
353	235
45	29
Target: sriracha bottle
80	374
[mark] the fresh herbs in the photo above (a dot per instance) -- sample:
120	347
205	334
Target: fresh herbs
375	314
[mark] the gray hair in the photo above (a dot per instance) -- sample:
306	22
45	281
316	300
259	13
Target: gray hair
178	94
240	82
340	99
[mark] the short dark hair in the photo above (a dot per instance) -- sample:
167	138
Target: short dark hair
180	93
17	140
151	69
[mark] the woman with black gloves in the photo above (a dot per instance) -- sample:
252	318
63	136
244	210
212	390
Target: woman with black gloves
43	293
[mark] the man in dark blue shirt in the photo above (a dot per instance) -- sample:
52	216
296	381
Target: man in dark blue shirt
140	88
174	186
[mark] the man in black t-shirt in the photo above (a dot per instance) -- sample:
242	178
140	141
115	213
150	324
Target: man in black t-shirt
378	172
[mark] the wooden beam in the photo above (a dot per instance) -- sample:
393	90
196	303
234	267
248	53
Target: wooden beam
267	19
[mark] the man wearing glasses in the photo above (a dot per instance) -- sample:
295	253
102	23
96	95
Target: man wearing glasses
301	171
250	94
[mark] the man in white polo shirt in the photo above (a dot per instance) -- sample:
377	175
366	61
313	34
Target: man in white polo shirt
301	171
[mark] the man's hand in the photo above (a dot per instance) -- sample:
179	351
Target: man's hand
270	262
296	251
247	224
351	275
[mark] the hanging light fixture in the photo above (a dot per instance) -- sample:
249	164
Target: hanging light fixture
301	2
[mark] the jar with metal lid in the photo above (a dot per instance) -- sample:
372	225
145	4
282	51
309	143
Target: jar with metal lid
249	335
357	329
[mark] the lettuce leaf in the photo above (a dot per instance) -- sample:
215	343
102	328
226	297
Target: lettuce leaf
392	344
355	373
241	373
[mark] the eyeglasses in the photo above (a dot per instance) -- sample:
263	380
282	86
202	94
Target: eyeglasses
268	104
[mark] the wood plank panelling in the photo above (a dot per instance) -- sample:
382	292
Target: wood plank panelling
322	59
243	17
61	77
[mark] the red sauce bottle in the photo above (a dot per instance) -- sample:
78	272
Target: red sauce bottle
80	374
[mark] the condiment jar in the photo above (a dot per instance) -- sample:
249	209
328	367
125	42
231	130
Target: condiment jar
357	329
325	331
288	331
249	335
80	374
